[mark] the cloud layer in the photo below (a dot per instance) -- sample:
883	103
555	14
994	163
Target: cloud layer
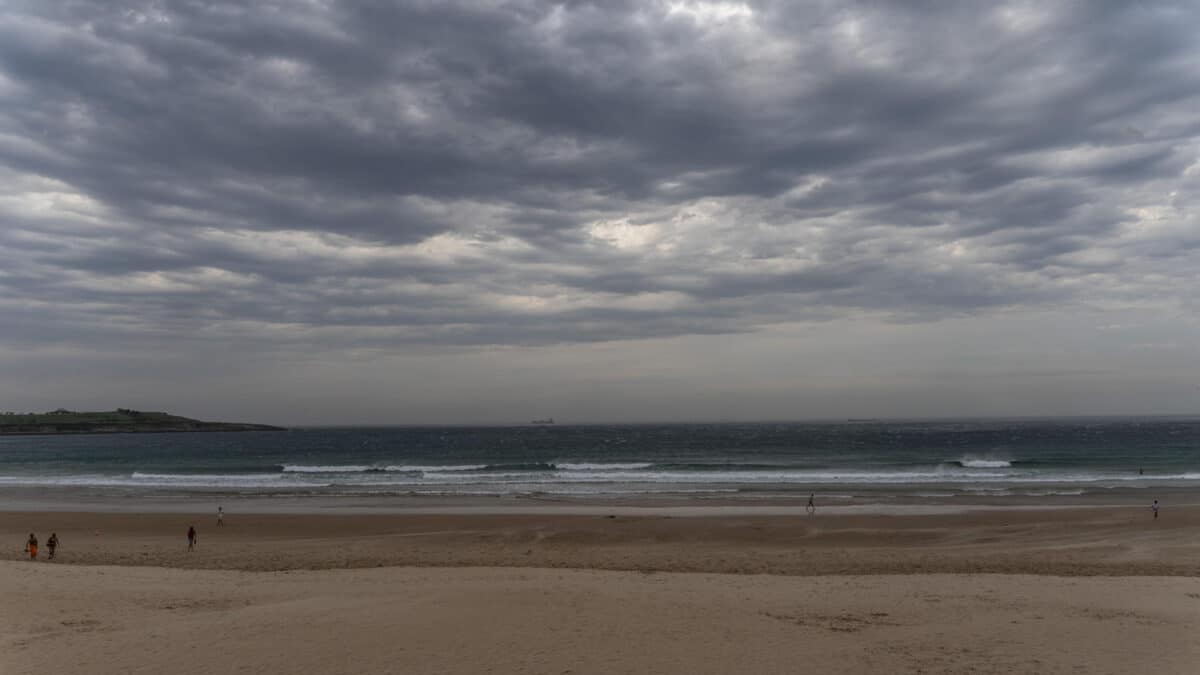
376	175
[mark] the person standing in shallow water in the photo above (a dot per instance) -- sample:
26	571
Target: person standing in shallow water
812	507
31	547
191	537
1154	507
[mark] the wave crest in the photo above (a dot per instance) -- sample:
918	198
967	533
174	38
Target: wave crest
587	466
349	468
423	468
983	463
413	468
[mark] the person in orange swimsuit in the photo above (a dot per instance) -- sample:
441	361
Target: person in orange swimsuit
31	546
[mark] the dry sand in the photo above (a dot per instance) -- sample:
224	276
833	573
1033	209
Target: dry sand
76	619
884	594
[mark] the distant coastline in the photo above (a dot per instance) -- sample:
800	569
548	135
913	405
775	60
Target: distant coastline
119	421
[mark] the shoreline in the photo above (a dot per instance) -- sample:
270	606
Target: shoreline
28	499
203	509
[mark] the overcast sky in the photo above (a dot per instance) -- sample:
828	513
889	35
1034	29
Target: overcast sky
317	211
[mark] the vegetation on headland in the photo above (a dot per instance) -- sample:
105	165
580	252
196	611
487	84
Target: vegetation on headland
119	421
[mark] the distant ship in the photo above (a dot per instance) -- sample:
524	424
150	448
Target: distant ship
548	420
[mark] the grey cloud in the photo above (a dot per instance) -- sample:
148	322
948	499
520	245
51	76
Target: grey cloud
537	172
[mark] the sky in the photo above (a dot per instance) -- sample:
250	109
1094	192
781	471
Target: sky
327	212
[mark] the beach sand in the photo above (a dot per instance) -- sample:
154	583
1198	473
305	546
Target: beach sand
76	619
999	591
1078	541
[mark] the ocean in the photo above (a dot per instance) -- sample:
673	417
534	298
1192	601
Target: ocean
881	459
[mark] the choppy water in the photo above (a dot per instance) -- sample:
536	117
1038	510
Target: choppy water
1032	457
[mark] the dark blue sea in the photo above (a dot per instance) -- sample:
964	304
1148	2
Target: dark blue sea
929	458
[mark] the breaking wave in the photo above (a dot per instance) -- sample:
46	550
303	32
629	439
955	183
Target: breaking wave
982	463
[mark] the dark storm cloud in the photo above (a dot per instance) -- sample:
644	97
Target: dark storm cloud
523	173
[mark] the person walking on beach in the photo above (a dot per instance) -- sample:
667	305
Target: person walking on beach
31	547
220	517
191	537
812	507
1154	507
51	544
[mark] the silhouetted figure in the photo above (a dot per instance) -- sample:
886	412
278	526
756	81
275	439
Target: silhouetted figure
812	507
191	537
51	544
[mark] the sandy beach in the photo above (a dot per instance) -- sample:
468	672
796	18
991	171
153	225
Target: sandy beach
74	619
1097	590
1118	540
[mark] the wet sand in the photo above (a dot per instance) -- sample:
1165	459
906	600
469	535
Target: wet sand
1076	541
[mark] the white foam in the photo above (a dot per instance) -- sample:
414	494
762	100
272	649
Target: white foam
1053	493
347	468
186	477
421	468
393	468
149	480
702	477
984	463
933	476
585	466
600	478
